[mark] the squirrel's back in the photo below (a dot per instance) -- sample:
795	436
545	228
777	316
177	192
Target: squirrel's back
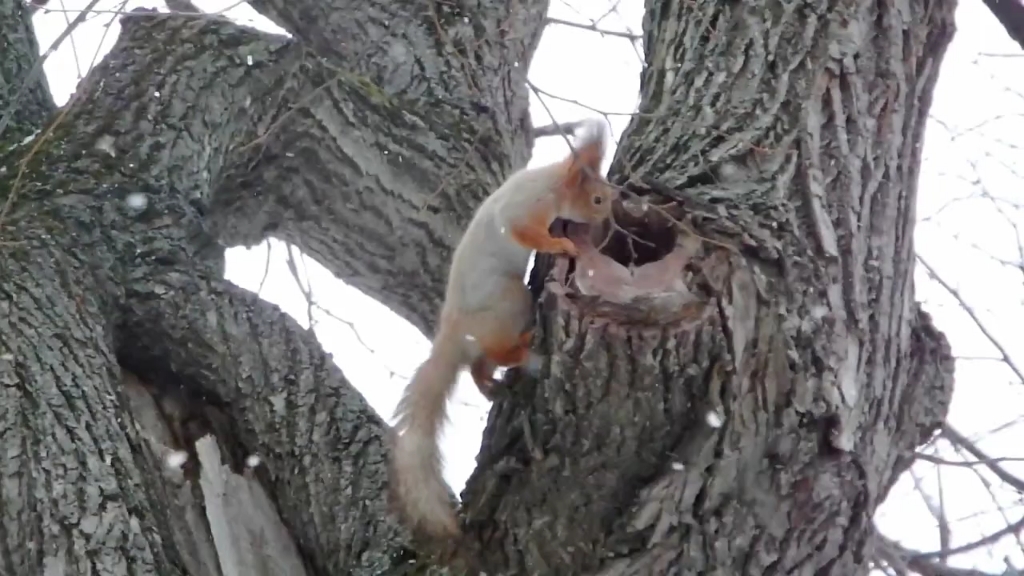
486	257
486	315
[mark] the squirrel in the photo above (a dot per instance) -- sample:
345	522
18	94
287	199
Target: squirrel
485	320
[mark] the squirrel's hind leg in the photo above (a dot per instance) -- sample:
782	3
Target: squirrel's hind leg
498	354
510	354
482	371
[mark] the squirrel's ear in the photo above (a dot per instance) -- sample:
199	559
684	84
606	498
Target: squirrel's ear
587	153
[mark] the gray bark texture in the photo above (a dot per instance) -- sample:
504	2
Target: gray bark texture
746	417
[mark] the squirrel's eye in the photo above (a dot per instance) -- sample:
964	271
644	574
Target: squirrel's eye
598	200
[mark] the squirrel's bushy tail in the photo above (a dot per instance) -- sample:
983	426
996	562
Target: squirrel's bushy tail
416	462
592	131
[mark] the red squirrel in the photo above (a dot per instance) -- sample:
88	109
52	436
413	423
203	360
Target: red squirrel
485	320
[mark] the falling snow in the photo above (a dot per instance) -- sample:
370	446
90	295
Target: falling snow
105	143
176	459
137	200
29	138
714	419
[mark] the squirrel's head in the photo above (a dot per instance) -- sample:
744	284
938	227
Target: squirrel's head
586	196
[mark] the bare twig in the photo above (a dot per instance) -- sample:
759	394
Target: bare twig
556	129
266	267
962	463
594	28
306	288
905	562
539	91
959	439
974	317
74	48
992	538
352	328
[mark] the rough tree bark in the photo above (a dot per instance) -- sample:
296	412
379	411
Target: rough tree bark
747	419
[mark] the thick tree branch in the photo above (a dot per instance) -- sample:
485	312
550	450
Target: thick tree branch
179	322
70	460
769	318
790	137
289	403
227	133
24	93
421	112
375	186
365	184
1010	14
115	203
391	189
472	52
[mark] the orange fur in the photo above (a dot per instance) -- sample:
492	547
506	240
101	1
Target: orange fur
484	322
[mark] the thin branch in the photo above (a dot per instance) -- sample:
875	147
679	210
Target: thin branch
537	92
594	28
373	351
266	267
963	463
991	489
937	510
906	562
977	321
556	129
959	439
122	11
992	538
306	288
74	47
944	531
311	303
540	91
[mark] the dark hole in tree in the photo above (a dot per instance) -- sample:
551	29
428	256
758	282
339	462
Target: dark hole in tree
637	240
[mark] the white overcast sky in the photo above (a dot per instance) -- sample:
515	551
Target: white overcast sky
969	201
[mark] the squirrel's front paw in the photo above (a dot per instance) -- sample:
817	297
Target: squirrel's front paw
565	246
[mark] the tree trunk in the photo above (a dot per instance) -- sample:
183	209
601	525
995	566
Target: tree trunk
739	405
